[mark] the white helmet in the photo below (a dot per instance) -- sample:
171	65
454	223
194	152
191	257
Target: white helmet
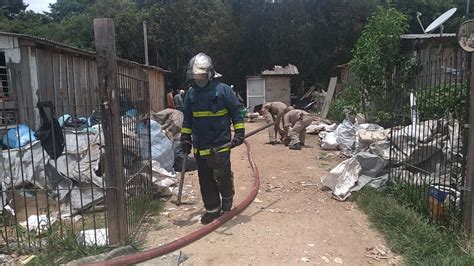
201	64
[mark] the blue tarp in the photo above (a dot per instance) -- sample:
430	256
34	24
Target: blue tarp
18	137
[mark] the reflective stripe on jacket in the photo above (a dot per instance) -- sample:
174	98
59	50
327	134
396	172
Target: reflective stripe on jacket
208	114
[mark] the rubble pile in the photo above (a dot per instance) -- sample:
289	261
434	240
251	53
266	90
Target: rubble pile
37	190
427	153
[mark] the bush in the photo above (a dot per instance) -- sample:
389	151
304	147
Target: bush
349	99
435	102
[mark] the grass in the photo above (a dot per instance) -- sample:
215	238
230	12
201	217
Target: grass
62	248
153	216
411	235
414	196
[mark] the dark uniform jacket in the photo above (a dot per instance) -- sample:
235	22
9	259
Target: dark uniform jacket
208	113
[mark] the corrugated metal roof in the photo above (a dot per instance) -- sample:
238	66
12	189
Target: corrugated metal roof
72	49
427	36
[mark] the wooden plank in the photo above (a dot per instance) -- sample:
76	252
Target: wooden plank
32	111
71	96
47	75
78	88
94	83
109	93
55	79
24	90
329	95
42	80
62	85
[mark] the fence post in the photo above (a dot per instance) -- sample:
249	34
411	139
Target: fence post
468	182
110	109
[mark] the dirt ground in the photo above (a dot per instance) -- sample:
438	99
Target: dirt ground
292	221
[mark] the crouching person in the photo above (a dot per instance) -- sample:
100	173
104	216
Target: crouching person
295	123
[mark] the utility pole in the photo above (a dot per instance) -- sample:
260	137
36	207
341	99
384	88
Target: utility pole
145	42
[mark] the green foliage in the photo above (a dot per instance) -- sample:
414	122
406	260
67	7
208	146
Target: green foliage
377	50
435	102
242	37
383	118
375	55
66	8
349	99
11	8
410	234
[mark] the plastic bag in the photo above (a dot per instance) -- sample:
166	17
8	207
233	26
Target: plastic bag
161	147
346	136
18	137
329	141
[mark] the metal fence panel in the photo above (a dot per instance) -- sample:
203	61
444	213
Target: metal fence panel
428	149
135	106
43	196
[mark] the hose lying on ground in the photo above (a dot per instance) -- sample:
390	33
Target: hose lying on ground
201	232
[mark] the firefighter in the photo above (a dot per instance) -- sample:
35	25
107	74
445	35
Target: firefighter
273	112
295	123
209	109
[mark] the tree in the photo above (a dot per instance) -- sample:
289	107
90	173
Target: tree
375	56
66	8
11	8
242	37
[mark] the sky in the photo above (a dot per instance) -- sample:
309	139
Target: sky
38	6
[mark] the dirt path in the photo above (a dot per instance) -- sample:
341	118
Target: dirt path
292	221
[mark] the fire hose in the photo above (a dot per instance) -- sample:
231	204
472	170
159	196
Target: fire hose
201	232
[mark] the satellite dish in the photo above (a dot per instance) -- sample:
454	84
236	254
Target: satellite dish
440	20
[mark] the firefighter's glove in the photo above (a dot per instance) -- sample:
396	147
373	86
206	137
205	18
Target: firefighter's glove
186	143
238	138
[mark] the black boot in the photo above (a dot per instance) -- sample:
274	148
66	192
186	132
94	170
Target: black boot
296	146
208	217
227	204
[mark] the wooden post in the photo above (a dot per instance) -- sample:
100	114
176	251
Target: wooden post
468	182
110	95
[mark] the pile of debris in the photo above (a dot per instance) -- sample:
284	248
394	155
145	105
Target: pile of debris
426	153
38	190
